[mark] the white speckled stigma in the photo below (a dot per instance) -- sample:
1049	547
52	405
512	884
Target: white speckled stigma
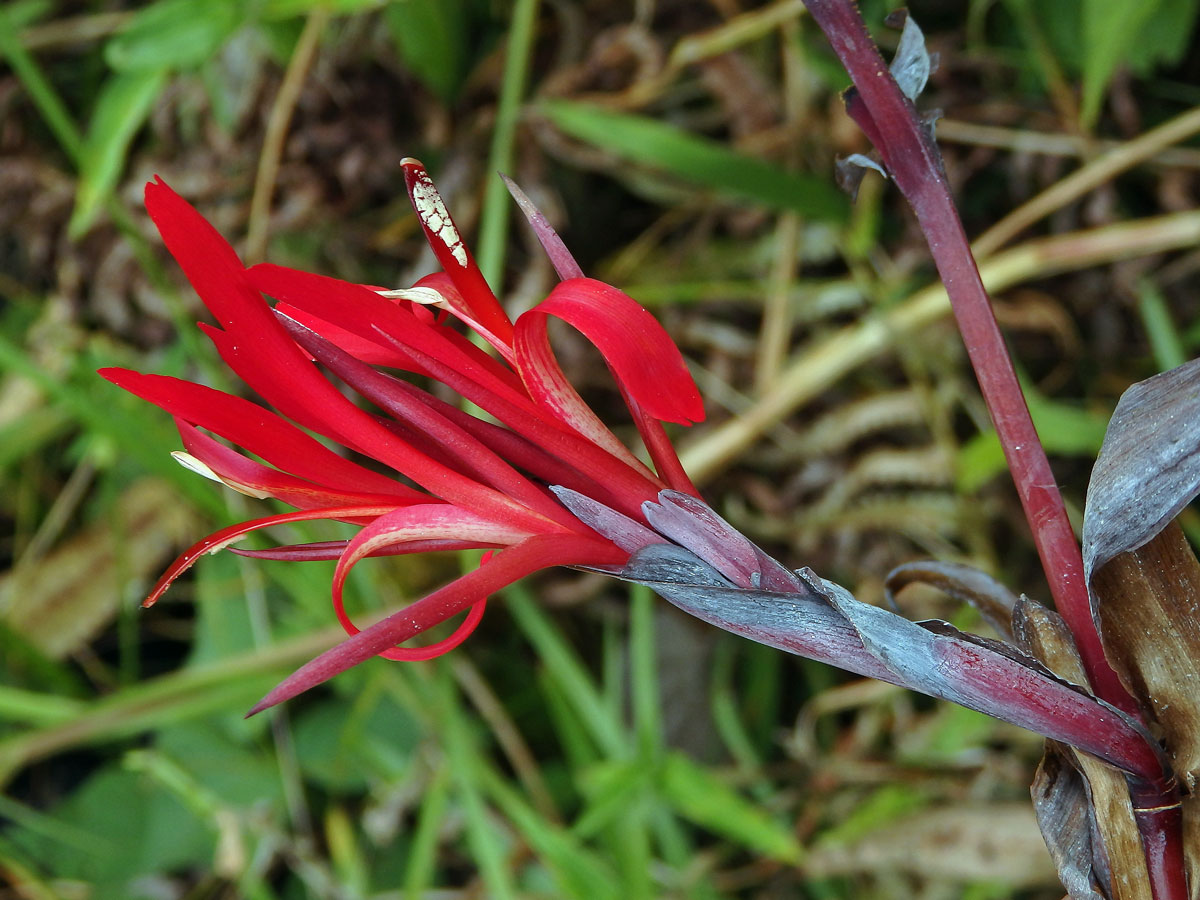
433	213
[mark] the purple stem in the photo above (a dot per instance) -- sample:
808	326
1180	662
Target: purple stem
890	121
913	161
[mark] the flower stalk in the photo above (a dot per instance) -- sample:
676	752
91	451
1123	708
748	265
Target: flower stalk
910	156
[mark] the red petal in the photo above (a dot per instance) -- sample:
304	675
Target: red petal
362	432
637	349
210	264
219	277
419	524
361	311
439	436
326	550
219	540
261	432
241	473
538	552
370	351
416	523
627	480
560	257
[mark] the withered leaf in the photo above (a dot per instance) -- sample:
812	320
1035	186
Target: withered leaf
1148	601
1144	578
1060	800
965	583
1148	469
1116	860
979	842
70	595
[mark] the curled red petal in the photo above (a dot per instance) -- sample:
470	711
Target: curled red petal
507	566
444	646
416	523
641	355
219	540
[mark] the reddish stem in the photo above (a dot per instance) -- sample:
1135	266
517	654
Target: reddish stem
913	161
890	120
1159	815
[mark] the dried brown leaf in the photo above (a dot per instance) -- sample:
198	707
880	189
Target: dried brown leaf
1043	634
1148	601
1117	859
1191	842
971	843
66	598
964	583
1060	801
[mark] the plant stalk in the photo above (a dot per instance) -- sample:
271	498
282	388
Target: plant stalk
913	162
911	157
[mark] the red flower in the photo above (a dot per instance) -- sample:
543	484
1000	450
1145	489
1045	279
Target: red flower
518	488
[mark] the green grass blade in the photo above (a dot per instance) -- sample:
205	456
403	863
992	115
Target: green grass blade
579	872
1165	341
488	849
45	98
647	711
497	206
124	104
568	671
701	797
697	160
175	34
423	855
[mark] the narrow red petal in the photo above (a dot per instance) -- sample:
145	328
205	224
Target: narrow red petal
327	550
363	312
658	445
210	264
219	540
247	475
446	441
454	303
374	352
629	482
560	257
532	458
538	552
360	431
219	278
260	431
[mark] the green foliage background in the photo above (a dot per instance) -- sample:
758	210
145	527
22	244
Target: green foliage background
587	743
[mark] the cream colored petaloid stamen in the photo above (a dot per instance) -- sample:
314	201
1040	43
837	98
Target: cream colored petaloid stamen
423	295
192	464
